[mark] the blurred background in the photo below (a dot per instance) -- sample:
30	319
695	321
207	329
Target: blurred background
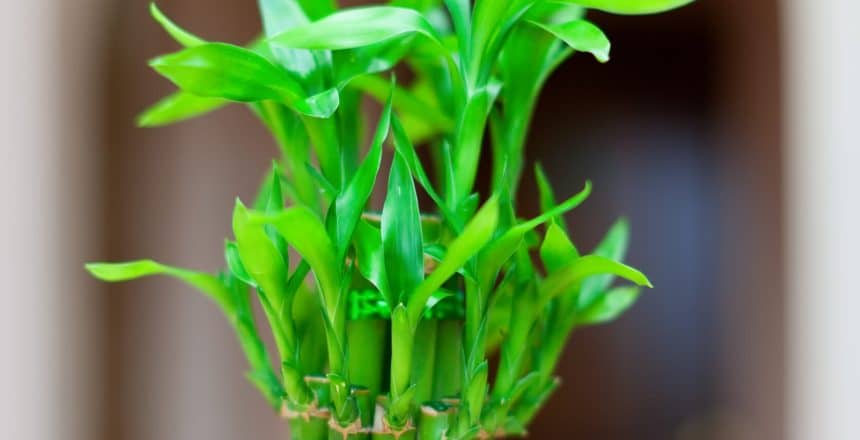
725	132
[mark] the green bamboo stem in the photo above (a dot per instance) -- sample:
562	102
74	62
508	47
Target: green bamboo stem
448	364
383	431
399	410
424	358
366	406
367	337
310	422
433	421
515	346
312	428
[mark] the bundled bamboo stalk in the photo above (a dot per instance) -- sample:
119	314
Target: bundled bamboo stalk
384	321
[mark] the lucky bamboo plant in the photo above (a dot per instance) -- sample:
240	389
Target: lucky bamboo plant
384	319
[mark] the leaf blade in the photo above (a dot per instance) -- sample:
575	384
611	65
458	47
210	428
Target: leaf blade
356	27
403	243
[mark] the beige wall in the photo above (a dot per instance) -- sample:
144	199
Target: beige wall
823	213
50	370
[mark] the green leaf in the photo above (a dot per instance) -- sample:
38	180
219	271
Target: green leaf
547	195
275	204
351	202
631	7
475	235
178	107
210	285
401	232
476	391
220	70
589	265
260	256
306	234
356	27
557	249
402	405
470	133
279	16
608	306
322	183
614	247
405	102
371	257
504	246
181	36
581	35
404	147
234	264
461	17
350	66
317	9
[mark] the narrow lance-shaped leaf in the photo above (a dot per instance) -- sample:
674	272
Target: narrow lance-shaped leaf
206	283
469	134
475	235
351	202
178	107
303	231
181	36
353	64
631	7
504	246
275	204
356	27
401	232
318	8
371	258
461	17
608	306
279	16
547	195
404	147
581	35
235	265
613	246
586	266
220	70
260	256
557	249
404	101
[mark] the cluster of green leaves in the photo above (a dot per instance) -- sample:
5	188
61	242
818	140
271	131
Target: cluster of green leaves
308	241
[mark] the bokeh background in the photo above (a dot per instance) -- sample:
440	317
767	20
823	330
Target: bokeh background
725	132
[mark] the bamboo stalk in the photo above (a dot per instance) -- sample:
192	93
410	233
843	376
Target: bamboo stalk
424	359
433	421
311	428
383	431
447	363
368	339
366	406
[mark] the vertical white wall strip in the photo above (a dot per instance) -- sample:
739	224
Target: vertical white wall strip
49	220
822	53
29	176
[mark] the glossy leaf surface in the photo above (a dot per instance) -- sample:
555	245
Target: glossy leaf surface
208	284
401	232
631	7
581	35
356	27
221	70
